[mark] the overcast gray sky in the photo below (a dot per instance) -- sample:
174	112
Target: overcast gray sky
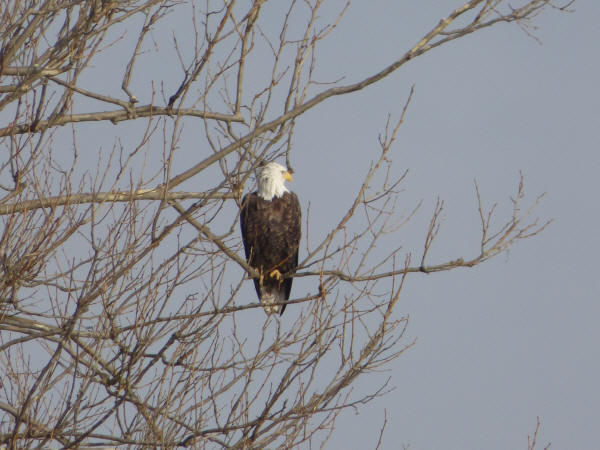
516	337
507	341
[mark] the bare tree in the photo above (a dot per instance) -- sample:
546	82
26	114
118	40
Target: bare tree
120	316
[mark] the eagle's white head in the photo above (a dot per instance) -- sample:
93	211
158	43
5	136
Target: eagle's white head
271	181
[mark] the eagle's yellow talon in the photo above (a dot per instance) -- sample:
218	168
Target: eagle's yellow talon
276	274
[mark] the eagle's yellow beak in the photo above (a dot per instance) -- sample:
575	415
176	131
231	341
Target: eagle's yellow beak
288	176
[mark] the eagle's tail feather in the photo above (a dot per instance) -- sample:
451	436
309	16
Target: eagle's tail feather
271	295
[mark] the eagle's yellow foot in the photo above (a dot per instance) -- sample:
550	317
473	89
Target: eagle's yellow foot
277	275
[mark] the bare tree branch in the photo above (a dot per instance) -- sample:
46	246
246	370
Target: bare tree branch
124	312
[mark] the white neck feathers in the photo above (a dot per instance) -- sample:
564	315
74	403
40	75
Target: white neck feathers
267	189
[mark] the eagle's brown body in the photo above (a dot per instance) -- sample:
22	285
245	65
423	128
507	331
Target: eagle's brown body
271	235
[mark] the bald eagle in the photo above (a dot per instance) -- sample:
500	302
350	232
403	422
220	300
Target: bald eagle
270	222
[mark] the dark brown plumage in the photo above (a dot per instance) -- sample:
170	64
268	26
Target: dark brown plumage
271	235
